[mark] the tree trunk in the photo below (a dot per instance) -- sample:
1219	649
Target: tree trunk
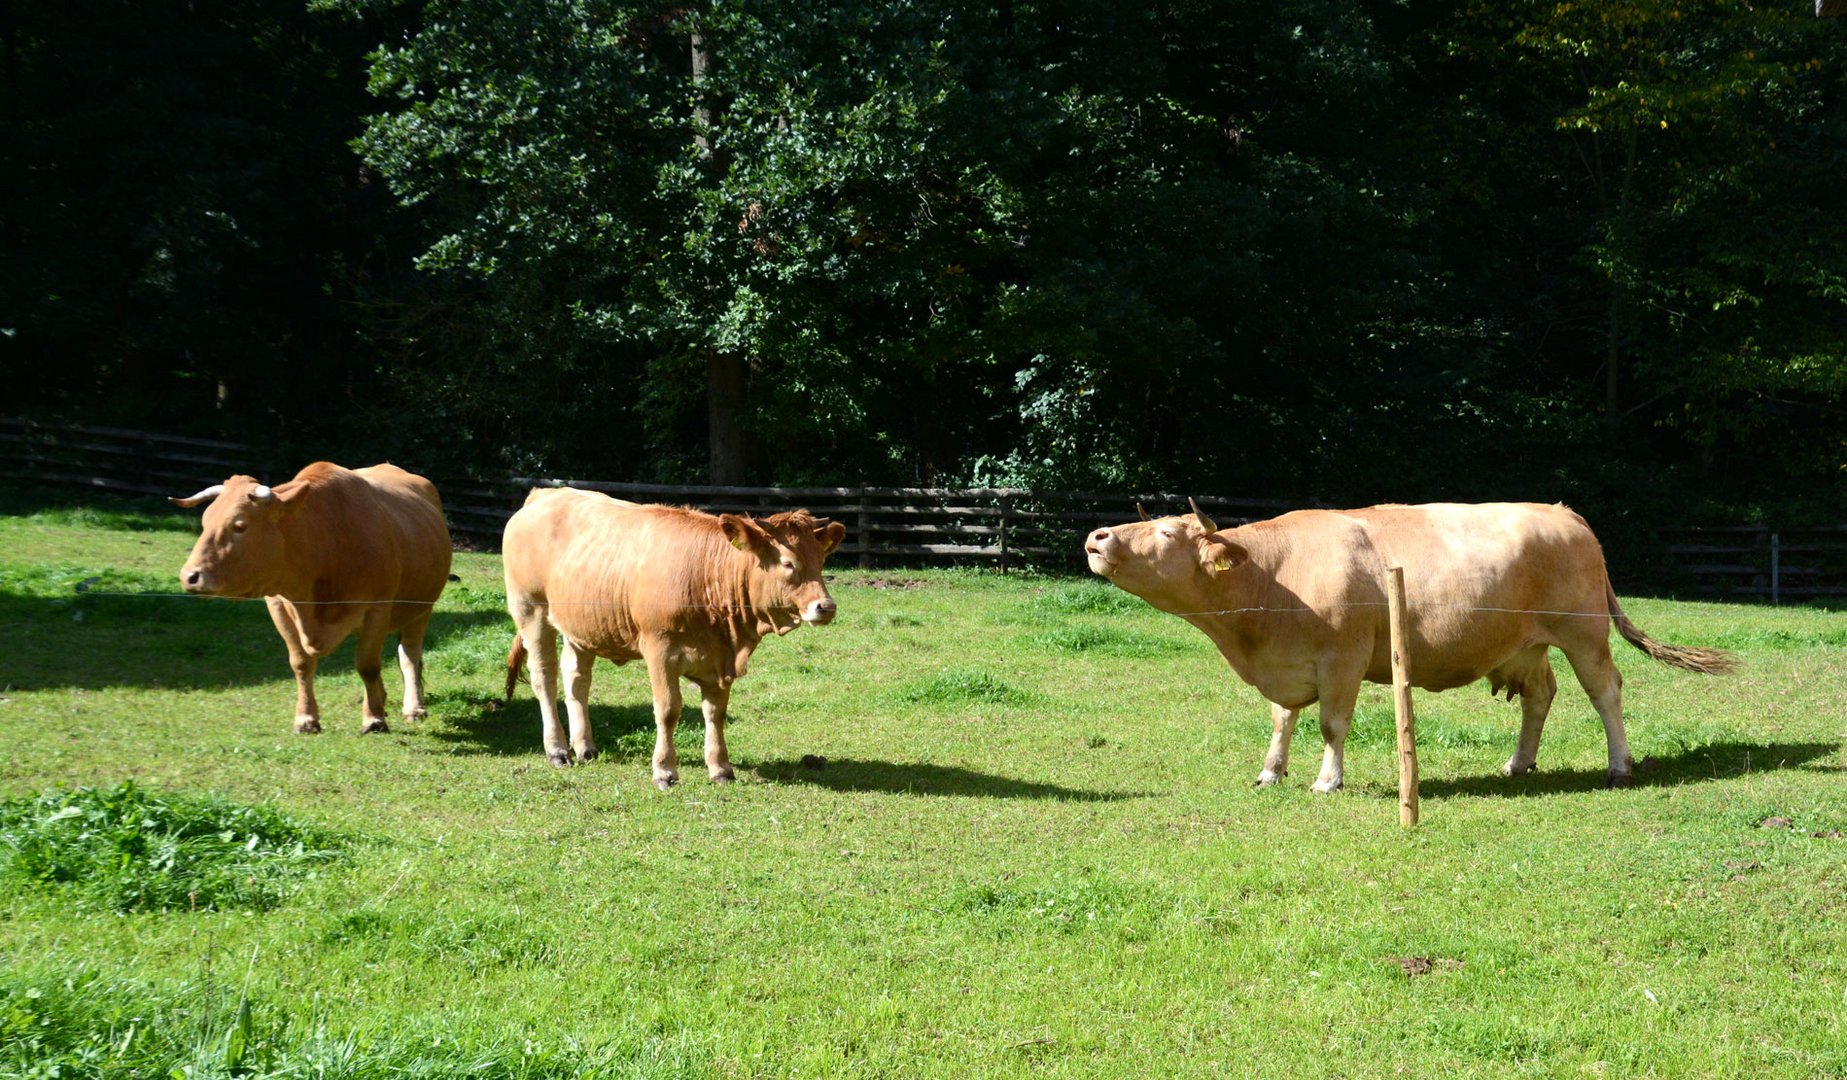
727	374
725	381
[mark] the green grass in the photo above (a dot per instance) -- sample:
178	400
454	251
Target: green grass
1032	848
125	849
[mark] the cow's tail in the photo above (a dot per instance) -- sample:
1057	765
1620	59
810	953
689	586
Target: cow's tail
1688	658
516	660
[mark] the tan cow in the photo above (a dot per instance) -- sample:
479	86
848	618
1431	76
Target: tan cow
334	552
690	593
1297	606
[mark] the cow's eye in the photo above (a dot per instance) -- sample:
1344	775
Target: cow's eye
240	525
788	565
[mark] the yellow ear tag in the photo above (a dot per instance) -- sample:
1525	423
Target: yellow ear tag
1223	562
737	542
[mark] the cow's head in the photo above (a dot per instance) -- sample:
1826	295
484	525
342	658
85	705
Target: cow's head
240	548
1163	558
789	550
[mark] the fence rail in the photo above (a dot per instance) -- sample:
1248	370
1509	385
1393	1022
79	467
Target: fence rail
1006	527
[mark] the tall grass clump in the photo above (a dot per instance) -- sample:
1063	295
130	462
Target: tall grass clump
128	849
960	686
87	1024
1090	598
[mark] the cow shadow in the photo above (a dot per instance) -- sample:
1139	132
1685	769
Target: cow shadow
485	726
96	640
1702	764
921	778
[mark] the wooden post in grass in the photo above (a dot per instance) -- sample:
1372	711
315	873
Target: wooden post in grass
1401	700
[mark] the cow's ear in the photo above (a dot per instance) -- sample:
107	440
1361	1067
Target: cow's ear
1221	553
829	536
745	535
288	497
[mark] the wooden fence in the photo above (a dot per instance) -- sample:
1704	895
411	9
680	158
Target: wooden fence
1002	527
1761	562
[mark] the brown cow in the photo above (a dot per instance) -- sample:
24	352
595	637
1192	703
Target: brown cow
334	552
1297	606
690	593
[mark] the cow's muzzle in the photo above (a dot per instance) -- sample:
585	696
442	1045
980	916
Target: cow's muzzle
820	612
1096	552
193	580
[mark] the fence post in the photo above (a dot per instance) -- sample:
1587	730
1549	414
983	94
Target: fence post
1401	700
1776	568
1005	502
865	530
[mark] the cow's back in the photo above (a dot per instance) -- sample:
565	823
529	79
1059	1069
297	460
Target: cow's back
374	534
609	571
1483	580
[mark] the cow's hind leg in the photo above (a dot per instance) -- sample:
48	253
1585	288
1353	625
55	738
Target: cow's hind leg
1530	675
542	669
302	663
1338	696
410	663
1276	762
1597	674
368	660
714	698
665	684
579	663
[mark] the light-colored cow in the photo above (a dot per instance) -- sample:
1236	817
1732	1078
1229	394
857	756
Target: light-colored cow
690	593
1297	606
334	552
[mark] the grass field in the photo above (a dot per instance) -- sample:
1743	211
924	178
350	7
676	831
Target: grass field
1034	849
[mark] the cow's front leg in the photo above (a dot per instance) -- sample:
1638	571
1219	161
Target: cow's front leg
410	664
1336	717
1276	762
579	663
368	661
714	697
302	663
666	686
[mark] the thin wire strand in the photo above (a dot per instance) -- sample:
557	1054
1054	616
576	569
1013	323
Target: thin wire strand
1425	604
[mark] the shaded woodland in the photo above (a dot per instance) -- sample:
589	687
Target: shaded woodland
1354	251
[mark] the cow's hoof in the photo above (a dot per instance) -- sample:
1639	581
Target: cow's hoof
417	714
1511	769
724	777
1619	780
307	725
560	758
588	753
374	725
1324	787
1267	778
664	782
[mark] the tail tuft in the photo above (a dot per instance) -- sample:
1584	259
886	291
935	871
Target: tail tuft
516	660
1685	657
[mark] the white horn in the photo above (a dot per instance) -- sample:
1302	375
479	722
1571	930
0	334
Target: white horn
261	493
194	500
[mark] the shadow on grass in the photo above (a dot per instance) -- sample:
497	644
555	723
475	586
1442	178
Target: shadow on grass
157	640
1714	761
924	779
487	728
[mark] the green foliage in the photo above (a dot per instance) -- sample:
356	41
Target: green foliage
127	849
1589	252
